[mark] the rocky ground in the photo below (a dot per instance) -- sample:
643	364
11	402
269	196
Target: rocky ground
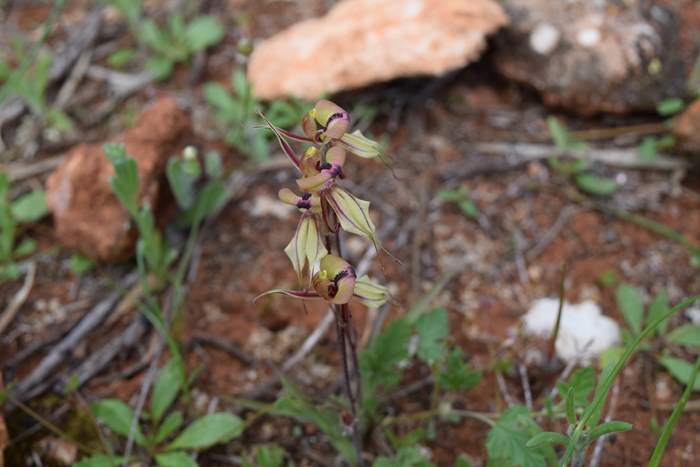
441	130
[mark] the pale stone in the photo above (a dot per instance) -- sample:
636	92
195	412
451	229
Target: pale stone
584	332
544	38
360	42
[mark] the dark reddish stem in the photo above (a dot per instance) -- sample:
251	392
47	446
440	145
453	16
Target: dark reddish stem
346	341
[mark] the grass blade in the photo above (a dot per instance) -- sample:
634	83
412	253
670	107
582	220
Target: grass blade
670	424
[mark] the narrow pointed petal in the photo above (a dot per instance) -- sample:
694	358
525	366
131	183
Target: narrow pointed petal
300	294
294	136
286	148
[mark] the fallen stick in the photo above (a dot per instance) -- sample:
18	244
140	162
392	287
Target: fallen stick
42	373
623	157
18	300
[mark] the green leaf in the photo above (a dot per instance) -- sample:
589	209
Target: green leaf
269	455
30	207
181	182
570	407
596	185
213	166
154	37
161	67
670	424
167	386
630	303
175	459
209	430
659	307
171	423
679	369
457	375
671	106
463	461
203	32
509	436
547	438
25	248
121	58
125	182
582	381
209	199
648	148
559	133
80	264
431	329
688	334
379	360
469	208
117	416
100	460
607	428
410	456
229	109
241	85
294	404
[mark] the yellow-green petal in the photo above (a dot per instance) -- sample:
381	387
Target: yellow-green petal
305	246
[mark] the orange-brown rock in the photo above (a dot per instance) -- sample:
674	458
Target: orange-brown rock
87	215
360	42
686	128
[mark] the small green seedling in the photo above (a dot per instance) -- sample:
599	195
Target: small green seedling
197	192
461	198
238	112
577	170
671	106
630	303
266	455
159	432
152	253
169	45
29	81
25	210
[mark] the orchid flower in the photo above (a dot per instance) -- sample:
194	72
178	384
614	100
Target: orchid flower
306	247
335	282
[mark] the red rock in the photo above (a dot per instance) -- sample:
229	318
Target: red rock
686	128
87	215
593	56
360	42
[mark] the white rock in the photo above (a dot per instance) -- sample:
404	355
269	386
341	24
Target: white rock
544	38
584	332
693	314
588	37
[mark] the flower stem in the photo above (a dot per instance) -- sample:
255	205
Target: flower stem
348	353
